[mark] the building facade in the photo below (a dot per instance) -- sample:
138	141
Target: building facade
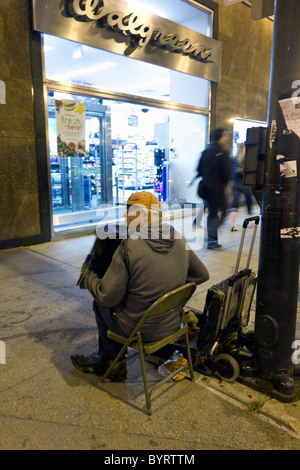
139	94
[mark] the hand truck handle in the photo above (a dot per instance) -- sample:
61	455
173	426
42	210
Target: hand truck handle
251	219
245	225
235	277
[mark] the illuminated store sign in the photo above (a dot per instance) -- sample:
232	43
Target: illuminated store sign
112	25
133	25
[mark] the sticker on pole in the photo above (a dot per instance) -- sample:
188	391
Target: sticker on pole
290	232
291	113
288	169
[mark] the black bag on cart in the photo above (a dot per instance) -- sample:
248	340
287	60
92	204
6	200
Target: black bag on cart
220	325
226	312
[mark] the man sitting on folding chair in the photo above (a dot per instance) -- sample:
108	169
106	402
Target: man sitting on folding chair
153	260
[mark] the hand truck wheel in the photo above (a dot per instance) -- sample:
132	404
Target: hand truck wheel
227	368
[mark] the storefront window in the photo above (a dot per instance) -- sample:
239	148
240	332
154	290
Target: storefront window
124	147
79	64
118	125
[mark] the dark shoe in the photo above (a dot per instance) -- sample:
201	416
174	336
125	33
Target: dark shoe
92	364
234	229
119	372
213	247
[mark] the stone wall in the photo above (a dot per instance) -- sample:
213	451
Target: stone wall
246	60
242	92
19	199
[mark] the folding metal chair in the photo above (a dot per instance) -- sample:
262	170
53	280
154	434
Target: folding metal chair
176	298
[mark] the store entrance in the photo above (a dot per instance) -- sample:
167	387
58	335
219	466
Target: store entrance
79	162
102	150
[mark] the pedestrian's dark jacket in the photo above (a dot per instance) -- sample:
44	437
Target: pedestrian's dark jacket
214	166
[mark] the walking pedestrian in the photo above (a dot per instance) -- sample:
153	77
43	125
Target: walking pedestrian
238	188
215	168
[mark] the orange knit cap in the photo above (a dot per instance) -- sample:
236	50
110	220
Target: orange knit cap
144	198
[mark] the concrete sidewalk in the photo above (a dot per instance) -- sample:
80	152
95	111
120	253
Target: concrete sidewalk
46	404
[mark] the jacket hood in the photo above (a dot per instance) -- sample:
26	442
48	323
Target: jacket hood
159	238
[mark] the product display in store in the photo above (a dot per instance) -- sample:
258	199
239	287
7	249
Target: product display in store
135	166
160	180
56	183
127	168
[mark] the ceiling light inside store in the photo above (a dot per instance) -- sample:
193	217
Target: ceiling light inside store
93	68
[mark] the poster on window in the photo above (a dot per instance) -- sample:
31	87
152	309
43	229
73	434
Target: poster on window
70	126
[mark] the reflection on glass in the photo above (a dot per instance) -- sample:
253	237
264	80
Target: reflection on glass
128	147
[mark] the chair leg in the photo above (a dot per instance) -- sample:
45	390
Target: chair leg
190	362
115	361
144	374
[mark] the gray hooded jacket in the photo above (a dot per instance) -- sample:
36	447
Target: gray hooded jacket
157	265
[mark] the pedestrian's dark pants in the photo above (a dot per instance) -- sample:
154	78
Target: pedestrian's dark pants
216	202
106	319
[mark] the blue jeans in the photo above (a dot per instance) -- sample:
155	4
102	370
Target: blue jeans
107	319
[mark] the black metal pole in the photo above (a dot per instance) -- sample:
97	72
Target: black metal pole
278	273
